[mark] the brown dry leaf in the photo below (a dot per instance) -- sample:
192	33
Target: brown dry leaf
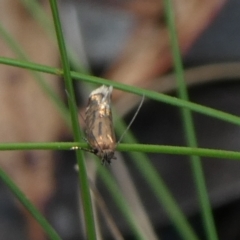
26	113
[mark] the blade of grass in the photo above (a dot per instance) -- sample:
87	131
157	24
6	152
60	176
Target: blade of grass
40	15
82	173
227	117
38	12
159	188
51	233
206	211
121	202
17	49
131	192
147	148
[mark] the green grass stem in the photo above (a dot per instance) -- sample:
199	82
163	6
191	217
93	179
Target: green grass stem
82	173
160	189
206	211
128	147
29	206
17	49
145	167
227	117
37	11
120	201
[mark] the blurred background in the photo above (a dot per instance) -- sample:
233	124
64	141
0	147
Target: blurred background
124	41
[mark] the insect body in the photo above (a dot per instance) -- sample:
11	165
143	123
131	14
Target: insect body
99	127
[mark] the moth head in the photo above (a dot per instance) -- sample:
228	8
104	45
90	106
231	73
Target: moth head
106	156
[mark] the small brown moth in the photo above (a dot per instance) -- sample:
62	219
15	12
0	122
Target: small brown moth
99	126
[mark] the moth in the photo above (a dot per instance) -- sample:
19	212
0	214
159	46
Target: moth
99	124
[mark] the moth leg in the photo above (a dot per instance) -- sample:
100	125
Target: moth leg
83	149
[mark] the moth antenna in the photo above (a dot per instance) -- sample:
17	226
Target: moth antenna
133	118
